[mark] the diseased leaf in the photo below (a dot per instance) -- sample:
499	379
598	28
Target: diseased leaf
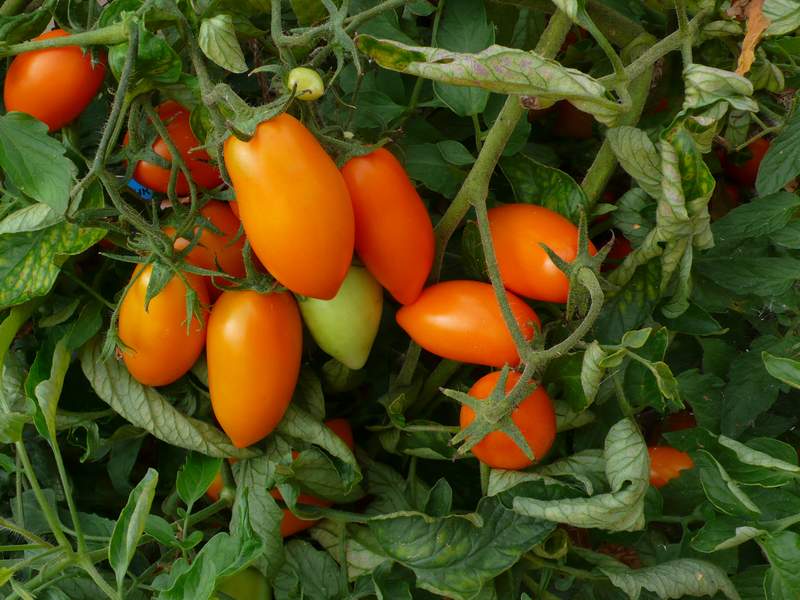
673	579
638	156
757	23
535	183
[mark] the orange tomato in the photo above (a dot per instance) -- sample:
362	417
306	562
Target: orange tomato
394	235
535	418
202	171
215	251
745	173
254	347
461	320
294	206
666	464
526	269
54	85
160	349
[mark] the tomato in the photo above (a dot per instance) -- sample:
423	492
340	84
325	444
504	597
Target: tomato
215	489
345	326
254	347
54	85
517	232
683	419
572	123
394	235
534	417
294	206
745	172
249	584
214	251
159	347
666	464
306	84
204	174
461	320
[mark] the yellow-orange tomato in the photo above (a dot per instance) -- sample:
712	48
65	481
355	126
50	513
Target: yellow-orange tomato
517	231
461	320
394	235
160	349
203	172
54	84
534	417
254	347
294	206
216	251
666	464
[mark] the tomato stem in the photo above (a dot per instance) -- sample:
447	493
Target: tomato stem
105	36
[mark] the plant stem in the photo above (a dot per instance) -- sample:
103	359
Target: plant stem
406	374
542	593
22	532
683	26
105	36
476	185
540	563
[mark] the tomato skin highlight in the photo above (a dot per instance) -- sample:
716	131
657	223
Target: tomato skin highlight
526	269
745	173
159	350
535	418
666	464
54	85
254	349
203	173
212	248
461	320
249	584
394	234
294	206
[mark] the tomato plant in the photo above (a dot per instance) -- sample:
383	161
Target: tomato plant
527	415
54	85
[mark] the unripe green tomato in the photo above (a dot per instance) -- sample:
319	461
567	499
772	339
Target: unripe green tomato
249	584
306	83
346	325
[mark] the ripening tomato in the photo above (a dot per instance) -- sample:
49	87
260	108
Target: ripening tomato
745	173
305	83
345	326
461	320
517	232
249	584
535	418
216	251
683	419
394	235
160	349
203	172
572	122
666	464
254	347
294	206
54	85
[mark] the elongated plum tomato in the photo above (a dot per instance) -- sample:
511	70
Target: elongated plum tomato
203	173
394	235
215	251
254	347
461	320
294	206
249	584
54	85
517	231
745	173
345	326
160	349
534	417
666	464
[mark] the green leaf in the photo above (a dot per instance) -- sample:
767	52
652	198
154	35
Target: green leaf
360	560
218	41
592	371
309	12
427	165
708	85
673	579
632	305
622	508
783	15
781	163
130	525
761	276
638	156
34	162
157	63
723	532
196	475
783	578
760	217
535	183
458	555
27	25
496	69
463	28
785	369
48	392
11	425
307	573
721	490
455	153
144	407
635	216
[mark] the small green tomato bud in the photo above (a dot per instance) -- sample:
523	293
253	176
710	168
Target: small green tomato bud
306	83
